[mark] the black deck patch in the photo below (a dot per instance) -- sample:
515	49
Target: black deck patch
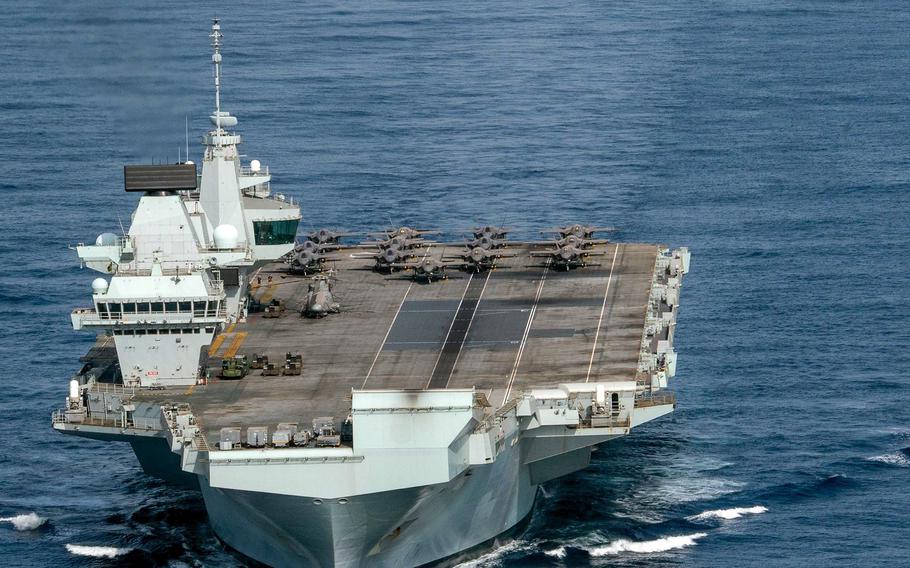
457	334
421	324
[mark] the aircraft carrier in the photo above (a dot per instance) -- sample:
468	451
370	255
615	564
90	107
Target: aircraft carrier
395	400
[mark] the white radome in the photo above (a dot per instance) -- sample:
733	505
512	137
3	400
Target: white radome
106	240
99	285
255	166
226	237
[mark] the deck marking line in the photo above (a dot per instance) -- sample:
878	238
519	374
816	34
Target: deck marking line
267	295
216	344
387	333
451	325
235	345
603	308
391	325
524	336
470	322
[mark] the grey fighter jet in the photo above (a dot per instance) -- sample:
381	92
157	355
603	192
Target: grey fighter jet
407	232
581	231
490	232
328	236
478	259
567	257
427	269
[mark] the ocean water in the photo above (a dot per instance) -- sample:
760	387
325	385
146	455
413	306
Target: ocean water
769	137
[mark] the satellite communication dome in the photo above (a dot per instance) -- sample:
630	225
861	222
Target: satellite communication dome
255	166
99	285
226	237
227	121
106	240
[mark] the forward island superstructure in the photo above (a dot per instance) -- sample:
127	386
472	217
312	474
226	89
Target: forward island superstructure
371	404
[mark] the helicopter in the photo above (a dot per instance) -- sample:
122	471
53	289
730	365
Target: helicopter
320	300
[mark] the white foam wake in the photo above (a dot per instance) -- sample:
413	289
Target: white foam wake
729	514
496	554
647	546
26	522
96	551
556	552
897	458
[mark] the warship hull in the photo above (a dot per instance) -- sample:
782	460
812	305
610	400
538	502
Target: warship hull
338	408
406	527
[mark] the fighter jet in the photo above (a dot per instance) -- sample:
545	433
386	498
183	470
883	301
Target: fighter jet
328	236
567	257
580	231
386	257
478	259
315	247
307	261
427	269
320	299
572	241
397	241
490	232
407	232
486	243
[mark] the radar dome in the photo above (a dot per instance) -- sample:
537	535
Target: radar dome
226	237
255	166
99	285
106	240
227	121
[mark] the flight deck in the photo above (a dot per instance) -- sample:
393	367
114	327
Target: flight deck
519	325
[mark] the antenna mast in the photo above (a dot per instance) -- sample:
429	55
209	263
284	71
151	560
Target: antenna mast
186	133
216	60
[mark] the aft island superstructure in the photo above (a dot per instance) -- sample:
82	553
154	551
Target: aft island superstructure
393	402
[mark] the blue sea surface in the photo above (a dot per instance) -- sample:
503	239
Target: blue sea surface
772	138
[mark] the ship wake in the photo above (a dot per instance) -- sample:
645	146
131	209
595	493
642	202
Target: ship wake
96	551
26	522
728	514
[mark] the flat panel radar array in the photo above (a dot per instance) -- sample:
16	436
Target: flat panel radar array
165	177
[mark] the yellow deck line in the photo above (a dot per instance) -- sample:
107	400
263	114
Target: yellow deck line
267	295
216	345
231	327
190	390
235	345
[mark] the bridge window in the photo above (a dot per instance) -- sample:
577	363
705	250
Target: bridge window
186	307
157	307
171	307
275	232
129	308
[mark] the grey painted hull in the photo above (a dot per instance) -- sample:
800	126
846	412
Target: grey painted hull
407	527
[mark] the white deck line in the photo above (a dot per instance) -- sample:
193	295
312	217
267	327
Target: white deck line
468	330
389	330
600	320
451	325
524	336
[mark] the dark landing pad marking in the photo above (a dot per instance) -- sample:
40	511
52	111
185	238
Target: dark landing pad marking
453	343
498	328
421	324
